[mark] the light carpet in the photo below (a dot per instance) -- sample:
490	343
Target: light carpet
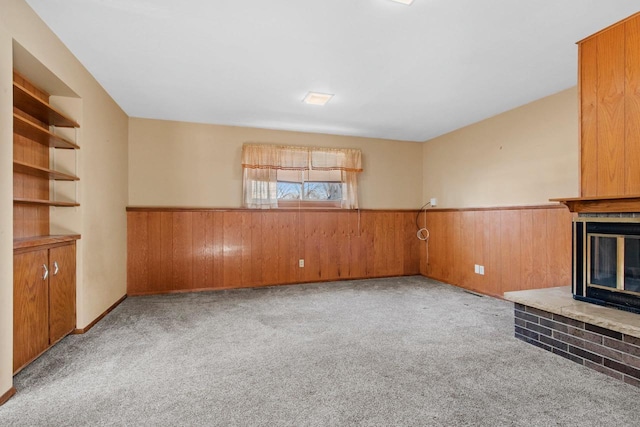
404	351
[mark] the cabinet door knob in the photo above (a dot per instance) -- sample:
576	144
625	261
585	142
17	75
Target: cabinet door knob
46	272
55	268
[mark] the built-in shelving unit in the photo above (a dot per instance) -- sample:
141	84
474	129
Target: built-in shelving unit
20	167
45	202
37	108
32	117
38	134
43	304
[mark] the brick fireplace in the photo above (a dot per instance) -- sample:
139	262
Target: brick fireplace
601	338
595	321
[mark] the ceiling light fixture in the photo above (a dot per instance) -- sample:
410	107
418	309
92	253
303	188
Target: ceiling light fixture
407	2
315	98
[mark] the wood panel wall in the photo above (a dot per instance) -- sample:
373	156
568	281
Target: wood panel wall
520	248
173	250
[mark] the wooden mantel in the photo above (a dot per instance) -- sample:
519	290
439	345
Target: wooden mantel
599	204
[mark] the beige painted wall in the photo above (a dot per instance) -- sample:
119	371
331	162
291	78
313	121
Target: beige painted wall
522	157
102	167
6	214
189	164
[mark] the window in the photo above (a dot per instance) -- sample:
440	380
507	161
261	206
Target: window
309	188
281	176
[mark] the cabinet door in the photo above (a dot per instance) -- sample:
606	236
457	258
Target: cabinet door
30	307
62	291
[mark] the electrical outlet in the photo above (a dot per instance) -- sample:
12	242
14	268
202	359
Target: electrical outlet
481	269
300	263
476	269
433	202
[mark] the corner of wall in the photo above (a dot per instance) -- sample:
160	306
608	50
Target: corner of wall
6	215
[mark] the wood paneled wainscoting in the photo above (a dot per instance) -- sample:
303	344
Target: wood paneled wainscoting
520	247
183	249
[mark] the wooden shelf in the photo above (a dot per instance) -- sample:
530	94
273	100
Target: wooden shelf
44	202
36	133
25	101
25	168
35	241
611	204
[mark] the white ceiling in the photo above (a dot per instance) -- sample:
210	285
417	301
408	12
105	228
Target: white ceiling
399	72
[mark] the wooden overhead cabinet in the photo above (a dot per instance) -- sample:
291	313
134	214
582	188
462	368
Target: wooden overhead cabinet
609	84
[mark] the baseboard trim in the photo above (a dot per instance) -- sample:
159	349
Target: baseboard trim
99	318
8	395
476	291
253	286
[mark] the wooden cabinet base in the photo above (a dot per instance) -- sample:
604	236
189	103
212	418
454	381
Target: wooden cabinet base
44	294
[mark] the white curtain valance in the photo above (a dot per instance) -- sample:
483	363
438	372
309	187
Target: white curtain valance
271	156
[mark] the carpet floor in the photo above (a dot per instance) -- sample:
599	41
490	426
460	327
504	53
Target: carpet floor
404	351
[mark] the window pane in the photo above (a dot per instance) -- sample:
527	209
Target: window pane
310	185
289	190
322	191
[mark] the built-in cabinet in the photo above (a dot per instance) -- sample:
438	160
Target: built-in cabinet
44	297
44	293
609	105
609	84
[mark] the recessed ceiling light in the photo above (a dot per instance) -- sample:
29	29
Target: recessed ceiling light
407	2
315	98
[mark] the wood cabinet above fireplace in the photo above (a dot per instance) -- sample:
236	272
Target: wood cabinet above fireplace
609	87
609	105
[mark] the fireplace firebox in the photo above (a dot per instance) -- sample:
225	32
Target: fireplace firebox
606	261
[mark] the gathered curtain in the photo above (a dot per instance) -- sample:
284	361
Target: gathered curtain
262	162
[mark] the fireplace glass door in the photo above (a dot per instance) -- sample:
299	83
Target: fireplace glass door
632	264
614	262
